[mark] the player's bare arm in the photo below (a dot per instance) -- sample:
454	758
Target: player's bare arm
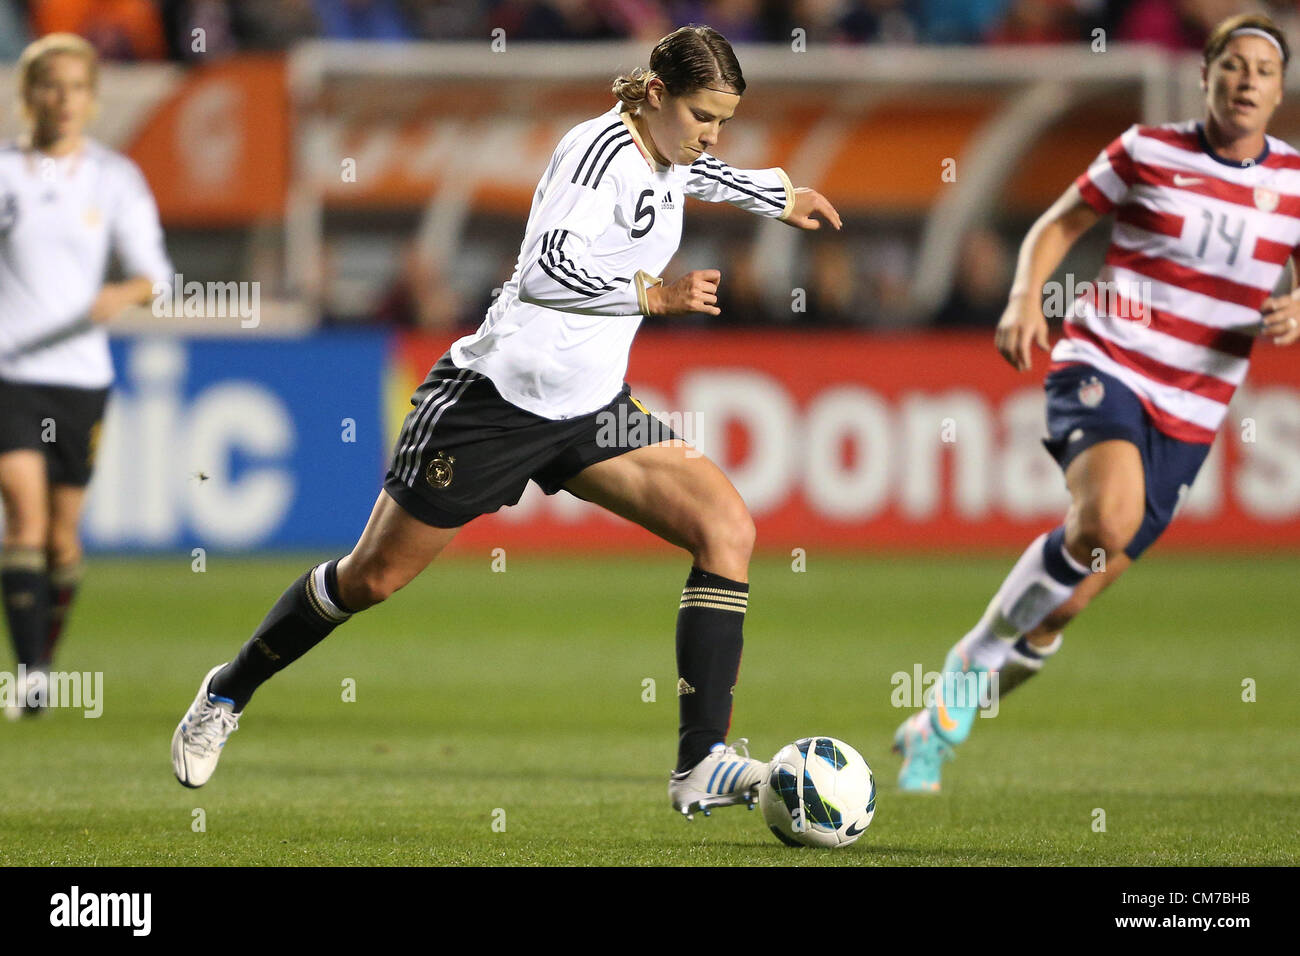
1281	314
697	291
1023	324
809	203
116	297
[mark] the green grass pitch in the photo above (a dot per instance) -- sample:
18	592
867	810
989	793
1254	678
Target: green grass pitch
517	697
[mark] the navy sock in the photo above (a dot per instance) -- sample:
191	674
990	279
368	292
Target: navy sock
1024	647
303	617
1058	562
709	644
25	586
63	583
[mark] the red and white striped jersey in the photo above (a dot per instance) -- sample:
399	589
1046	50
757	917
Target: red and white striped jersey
1199	243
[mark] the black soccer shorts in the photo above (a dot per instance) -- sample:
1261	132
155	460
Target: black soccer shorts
465	451
61	421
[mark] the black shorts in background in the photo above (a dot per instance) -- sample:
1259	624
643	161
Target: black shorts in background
465	451
59	420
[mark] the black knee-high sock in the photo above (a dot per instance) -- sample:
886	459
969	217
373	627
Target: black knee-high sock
709	642
303	617
25	586
63	582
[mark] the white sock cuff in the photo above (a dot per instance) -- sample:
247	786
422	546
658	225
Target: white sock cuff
1069	559
1047	650
319	595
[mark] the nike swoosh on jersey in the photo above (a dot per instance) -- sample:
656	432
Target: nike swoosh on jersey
1186	180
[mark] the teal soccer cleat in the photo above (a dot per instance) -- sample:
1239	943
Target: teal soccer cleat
923	752
962	690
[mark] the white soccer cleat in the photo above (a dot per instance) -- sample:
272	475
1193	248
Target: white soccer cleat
721	779
197	743
36	688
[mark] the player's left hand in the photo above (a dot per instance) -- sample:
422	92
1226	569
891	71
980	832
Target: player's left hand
809	203
1281	318
112	301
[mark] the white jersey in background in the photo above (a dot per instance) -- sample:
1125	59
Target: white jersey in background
59	217
604	223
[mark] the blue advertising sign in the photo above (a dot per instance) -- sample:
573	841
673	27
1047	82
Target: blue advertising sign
240	444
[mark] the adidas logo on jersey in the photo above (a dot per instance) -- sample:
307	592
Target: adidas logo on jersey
667	202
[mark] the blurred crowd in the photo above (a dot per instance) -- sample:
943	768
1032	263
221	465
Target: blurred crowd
858	279
862	280
165	29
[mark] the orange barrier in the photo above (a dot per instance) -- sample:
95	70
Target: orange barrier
216	151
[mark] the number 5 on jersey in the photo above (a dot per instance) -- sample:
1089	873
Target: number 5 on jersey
644	210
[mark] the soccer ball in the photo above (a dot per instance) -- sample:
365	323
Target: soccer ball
818	792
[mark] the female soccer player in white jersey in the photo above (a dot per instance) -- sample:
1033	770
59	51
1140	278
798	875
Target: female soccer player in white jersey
1206	216
65	201
525	396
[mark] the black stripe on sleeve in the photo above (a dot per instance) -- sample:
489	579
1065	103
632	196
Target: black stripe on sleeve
596	139
609	140
626	142
779	204
560	268
726	171
572	267
562	281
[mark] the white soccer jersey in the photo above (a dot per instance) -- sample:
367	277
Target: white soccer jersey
58	219
1207	238
605	221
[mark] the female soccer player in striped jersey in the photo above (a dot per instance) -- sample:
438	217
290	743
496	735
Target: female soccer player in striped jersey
65	201
1206	216
527	395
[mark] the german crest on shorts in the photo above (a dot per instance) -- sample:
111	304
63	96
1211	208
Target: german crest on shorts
439	473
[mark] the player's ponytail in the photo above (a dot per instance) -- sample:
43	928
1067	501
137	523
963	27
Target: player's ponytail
688	59
631	88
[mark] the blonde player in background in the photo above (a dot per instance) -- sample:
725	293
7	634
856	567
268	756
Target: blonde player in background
1207	213
65	202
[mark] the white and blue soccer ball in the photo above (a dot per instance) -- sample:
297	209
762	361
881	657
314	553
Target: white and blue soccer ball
818	791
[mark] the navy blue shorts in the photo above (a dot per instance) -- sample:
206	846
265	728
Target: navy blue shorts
1086	406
